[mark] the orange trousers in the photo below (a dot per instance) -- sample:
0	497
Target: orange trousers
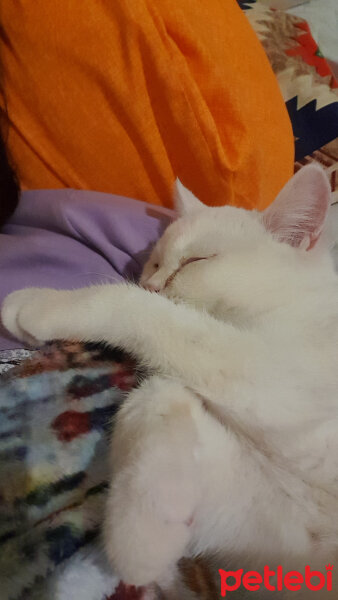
123	96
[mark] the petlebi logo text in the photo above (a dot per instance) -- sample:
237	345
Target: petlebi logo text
275	580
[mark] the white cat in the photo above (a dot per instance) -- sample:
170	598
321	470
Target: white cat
231	446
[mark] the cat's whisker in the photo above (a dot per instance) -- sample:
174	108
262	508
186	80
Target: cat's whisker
131	279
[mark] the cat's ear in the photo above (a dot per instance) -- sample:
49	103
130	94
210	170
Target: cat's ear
185	201
298	214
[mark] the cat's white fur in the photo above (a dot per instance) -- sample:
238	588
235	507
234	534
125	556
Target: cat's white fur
231	446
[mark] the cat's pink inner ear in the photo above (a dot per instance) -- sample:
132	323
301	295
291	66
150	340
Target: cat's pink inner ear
298	214
185	201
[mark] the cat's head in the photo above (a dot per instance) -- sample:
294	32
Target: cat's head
230	260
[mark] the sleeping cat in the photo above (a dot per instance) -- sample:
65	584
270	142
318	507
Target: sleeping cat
230	446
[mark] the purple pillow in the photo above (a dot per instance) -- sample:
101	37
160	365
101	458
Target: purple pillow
68	239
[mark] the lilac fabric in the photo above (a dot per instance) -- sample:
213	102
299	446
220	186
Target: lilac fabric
68	239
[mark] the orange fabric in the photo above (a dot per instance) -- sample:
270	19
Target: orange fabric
122	96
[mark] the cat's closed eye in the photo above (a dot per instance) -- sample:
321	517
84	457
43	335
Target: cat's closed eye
183	263
187	261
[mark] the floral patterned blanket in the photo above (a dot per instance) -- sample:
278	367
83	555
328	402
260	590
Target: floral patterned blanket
56	412
55	415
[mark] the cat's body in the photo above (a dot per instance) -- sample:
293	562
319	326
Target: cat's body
231	447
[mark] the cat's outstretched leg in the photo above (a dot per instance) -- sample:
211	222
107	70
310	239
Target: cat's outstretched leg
172	339
155	485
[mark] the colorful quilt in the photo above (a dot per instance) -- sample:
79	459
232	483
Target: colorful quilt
56	414
54	475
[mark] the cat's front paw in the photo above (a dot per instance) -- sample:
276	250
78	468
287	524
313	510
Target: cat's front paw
24	314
